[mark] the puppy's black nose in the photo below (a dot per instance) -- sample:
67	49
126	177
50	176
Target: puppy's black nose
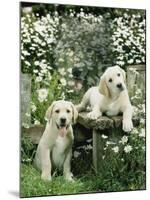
63	120
119	85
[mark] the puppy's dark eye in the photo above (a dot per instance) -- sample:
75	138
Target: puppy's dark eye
57	111
110	80
68	111
118	74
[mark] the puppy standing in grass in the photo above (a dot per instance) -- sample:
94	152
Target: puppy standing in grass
111	97
55	146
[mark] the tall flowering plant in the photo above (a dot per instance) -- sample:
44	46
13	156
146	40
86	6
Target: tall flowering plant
129	39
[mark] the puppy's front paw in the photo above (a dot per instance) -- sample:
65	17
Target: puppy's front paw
46	177
127	125
94	115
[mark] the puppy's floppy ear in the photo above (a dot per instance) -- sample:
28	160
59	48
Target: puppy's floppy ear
48	114
75	113
123	73
103	89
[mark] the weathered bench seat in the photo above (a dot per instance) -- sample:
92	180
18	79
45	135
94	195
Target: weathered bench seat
102	123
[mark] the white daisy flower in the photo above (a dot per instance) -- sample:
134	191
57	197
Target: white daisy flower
35	71
36	63
128	148
115	149
109	143
27	114
62	71
25	125
38	79
42	94
69	70
63	81
33	108
36	122
142	133
124	140
76	154
142	121
104	136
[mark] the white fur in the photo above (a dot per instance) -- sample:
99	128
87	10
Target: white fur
109	98
53	149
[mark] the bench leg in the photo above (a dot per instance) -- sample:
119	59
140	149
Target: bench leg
99	143
98	148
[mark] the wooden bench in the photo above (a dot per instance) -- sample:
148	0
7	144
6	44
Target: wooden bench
111	127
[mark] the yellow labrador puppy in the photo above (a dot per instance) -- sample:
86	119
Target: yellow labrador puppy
111	97
55	146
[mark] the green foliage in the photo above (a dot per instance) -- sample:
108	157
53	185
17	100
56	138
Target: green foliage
43	94
124	161
28	149
83	43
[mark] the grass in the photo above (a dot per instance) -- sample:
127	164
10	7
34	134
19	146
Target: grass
32	185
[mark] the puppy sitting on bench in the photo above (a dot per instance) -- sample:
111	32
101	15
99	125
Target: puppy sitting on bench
55	146
110	97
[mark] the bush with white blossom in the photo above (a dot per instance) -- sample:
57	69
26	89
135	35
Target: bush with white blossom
38	38
129	38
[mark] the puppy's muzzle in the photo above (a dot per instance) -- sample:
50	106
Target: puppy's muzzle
63	126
